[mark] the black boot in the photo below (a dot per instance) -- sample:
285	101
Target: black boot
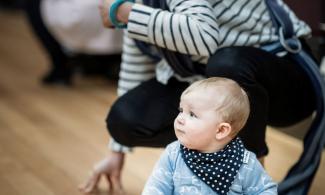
58	77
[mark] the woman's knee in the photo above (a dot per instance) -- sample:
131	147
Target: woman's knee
120	121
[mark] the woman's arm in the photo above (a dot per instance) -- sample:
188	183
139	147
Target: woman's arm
189	27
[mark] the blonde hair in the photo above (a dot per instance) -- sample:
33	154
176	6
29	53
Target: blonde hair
233	103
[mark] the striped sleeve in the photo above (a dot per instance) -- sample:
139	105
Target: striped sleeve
189	28
135	67
117	147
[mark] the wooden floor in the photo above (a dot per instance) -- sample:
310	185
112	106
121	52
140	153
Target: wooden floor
51	136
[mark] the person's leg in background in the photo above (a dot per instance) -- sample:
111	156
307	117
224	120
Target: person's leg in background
60	72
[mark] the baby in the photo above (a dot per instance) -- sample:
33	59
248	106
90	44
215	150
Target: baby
208	157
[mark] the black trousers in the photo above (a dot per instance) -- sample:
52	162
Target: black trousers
280	94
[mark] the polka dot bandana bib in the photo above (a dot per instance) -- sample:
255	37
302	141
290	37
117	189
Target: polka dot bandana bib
218	170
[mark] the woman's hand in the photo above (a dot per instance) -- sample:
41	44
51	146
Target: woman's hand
122	12
111	168
104	13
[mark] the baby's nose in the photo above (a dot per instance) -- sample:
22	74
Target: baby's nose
180	119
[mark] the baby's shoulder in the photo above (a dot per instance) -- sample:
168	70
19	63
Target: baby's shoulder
251	167
173	148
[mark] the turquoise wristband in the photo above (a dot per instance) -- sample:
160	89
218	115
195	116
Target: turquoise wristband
113	12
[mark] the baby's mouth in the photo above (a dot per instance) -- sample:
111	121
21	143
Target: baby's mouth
179	130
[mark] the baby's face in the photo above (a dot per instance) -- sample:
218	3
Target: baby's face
197	121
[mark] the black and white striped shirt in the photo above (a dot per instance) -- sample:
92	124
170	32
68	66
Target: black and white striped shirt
197	28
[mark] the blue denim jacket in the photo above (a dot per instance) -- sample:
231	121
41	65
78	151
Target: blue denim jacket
171	176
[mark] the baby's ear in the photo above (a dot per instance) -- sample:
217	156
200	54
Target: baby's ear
223	130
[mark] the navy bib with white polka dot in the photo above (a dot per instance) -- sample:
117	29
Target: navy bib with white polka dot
218	170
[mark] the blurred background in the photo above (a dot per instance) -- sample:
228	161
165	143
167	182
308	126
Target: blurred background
58	76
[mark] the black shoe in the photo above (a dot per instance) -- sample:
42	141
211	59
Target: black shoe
55	77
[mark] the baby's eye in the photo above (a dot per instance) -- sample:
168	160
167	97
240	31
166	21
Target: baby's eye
180	109
193	115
